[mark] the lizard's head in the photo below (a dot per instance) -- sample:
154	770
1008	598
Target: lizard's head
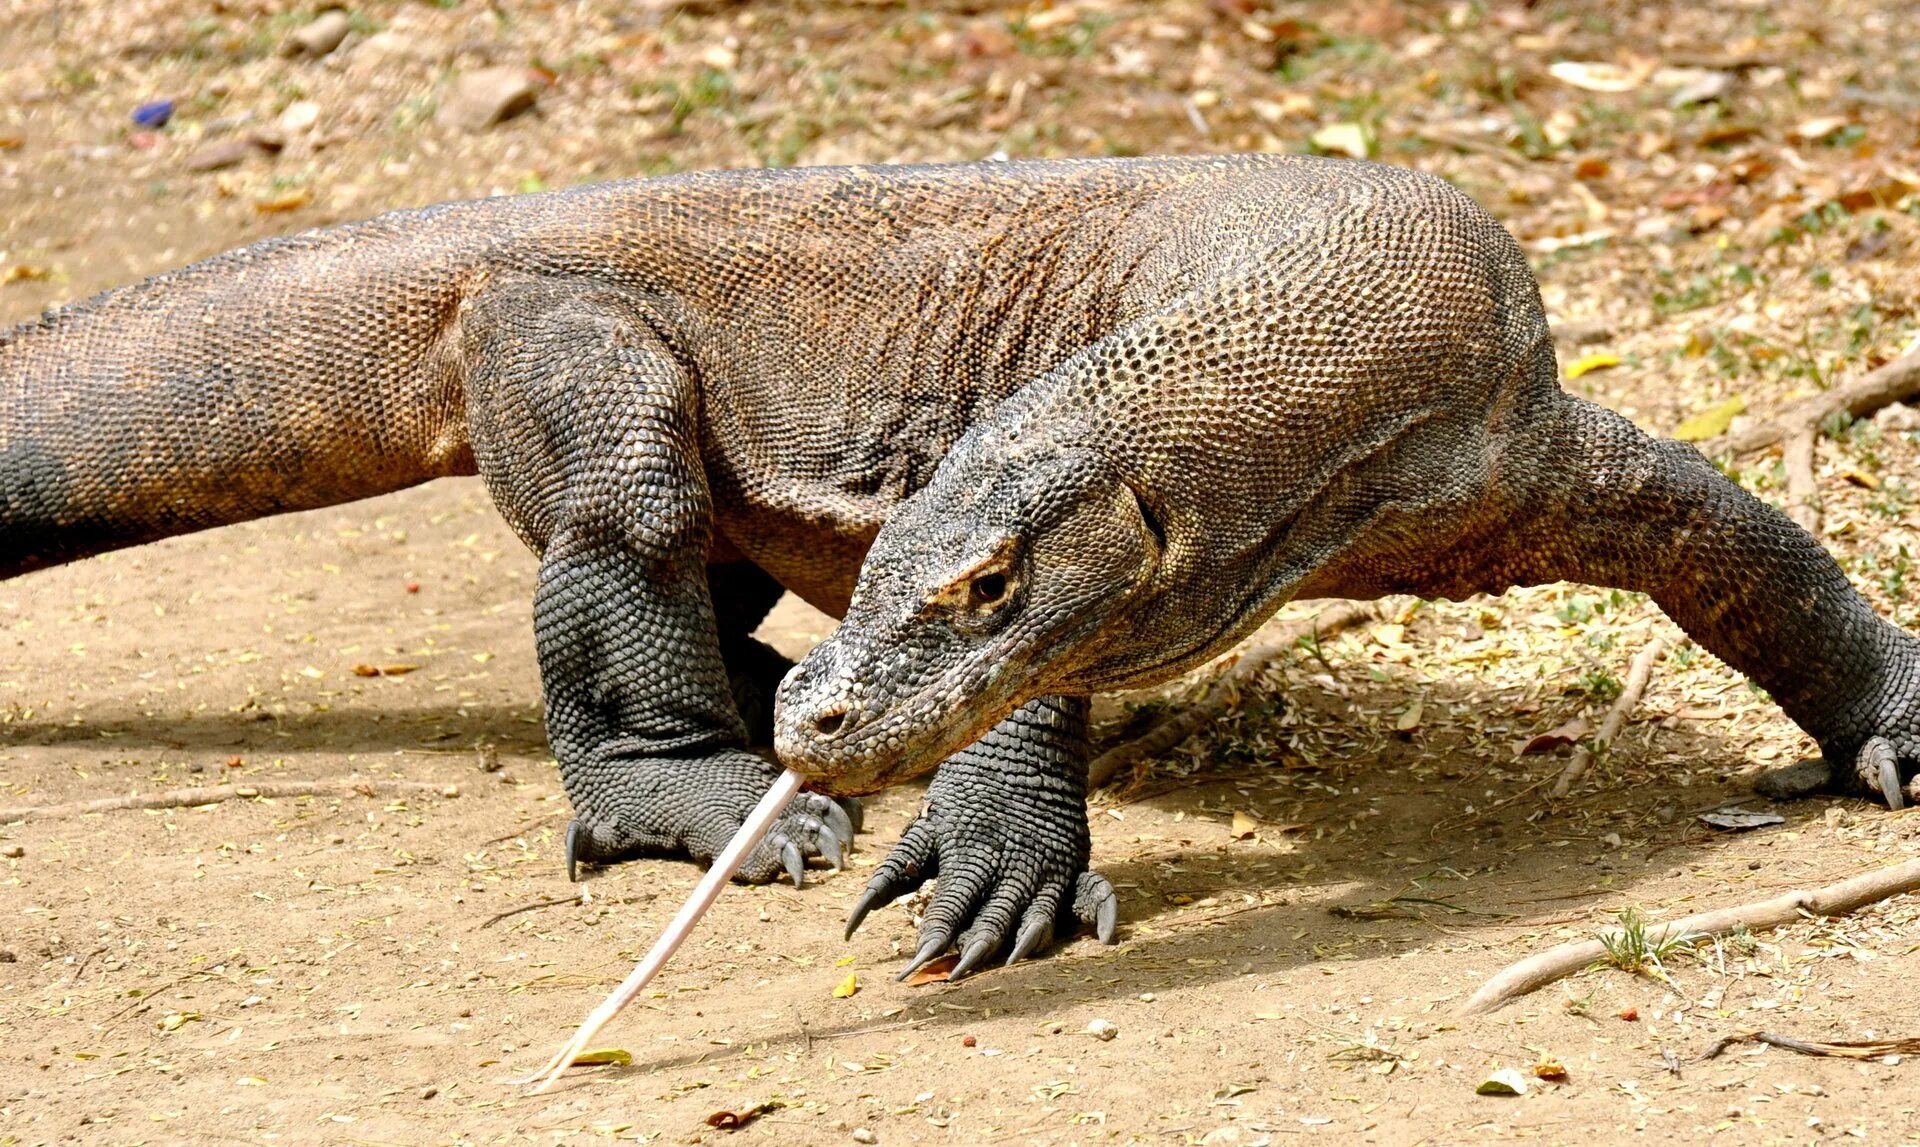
982	591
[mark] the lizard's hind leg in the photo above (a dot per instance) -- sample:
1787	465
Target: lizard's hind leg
585	429
1591	498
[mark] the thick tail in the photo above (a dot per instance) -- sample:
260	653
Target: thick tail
289	375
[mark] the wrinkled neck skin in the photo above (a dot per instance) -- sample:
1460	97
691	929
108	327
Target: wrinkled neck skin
1110	583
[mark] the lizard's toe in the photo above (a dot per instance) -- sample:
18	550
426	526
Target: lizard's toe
695	812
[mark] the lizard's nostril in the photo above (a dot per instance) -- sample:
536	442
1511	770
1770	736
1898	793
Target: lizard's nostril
829	722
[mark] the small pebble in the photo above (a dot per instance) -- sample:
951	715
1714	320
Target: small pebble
321	36
13	852
7	956
1146	997
478	100
862	1135
429	1092
968	1041
1103	1029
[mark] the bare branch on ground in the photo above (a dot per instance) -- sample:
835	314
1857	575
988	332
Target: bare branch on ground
1536	972
1638	675
214	794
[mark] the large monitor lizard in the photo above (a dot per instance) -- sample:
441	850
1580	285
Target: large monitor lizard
1111	413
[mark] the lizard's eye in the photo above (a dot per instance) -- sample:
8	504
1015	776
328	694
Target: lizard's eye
987	590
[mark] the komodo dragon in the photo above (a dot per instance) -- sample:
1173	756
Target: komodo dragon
1103	417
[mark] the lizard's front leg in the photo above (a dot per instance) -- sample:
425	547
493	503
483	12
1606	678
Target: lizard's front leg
585	429
1005	831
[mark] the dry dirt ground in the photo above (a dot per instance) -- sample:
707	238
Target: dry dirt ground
1721	196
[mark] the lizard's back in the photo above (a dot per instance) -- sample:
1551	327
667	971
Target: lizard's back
846	326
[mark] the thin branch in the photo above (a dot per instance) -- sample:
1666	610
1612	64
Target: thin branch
1895	381
1221	695
1803	492
1536	972
214	794
579	897
1637	676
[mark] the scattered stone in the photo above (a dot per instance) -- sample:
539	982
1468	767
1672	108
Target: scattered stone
1739	819
299	116
13	852
863	1135
154	114
320	37
478	100
7	956
220	154
429	1092
1505	1081
1103	1029
1897	416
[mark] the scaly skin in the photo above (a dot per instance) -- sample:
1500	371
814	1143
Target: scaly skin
1364	402
1182	391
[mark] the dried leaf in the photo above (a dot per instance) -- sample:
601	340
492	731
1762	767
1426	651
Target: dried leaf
1409	718
1594	76
1344	138
846	987
1820	127
1591	363
1244	826
1561	735
1505	1081
934	972
383	670
26	273
617	1056
1860	478
290	201
1711	422
1740	820
734	1120
1550	1069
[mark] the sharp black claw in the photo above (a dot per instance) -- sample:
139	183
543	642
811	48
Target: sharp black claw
1890	785
577	836
875	896
1031	939
933	947
1880	765
1107	920
856	812
838	823
832	850
974	954
796	864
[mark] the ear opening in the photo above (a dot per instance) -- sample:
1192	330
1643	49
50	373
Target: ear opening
1150	519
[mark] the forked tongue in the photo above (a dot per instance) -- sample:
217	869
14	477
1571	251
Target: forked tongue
751	833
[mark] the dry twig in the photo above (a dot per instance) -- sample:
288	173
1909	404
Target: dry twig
214	794
579	897
1895	381
1803	493
1637	676
1221	695
1840	1049
1536	972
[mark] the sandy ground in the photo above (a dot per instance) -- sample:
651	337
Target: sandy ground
1308	889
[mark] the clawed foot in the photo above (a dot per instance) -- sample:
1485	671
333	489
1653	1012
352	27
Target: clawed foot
998	890
1877	771
694	808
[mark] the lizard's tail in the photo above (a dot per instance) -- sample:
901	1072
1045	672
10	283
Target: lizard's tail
289	375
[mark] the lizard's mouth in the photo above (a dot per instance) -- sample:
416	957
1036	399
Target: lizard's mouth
847	742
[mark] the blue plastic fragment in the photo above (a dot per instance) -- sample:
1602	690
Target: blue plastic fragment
155	114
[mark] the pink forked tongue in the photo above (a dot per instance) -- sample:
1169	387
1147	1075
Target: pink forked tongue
751	833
